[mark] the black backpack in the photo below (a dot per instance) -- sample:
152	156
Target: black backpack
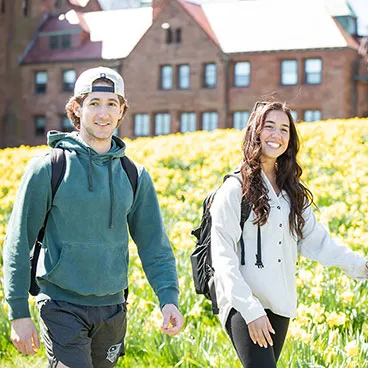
203	271
58	166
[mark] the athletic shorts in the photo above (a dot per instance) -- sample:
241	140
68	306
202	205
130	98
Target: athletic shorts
81	336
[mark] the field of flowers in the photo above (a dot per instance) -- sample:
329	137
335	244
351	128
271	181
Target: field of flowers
331	329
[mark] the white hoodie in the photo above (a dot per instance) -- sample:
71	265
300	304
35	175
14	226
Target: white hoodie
249	289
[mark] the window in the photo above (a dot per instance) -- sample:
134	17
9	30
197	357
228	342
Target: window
240	119
141	125
178	35
209	120
294	114
312	115
169	36
162	124
53	42
184	76
40	125
65	41
242	74
210	75
187	122
25	7
66	124
166	77
69	77
313	71
289	72
40	82
59	41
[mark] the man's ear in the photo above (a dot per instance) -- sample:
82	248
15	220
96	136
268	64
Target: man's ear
76	108
122	108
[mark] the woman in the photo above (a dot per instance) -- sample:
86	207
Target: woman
257	299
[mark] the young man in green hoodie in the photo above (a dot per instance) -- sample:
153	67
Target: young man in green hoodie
82	310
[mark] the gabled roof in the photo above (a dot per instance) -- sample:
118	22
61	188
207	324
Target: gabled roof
39	52
118	30
196	11
256	26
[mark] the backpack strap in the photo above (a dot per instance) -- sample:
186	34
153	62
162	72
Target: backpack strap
58	166
132	172
245	211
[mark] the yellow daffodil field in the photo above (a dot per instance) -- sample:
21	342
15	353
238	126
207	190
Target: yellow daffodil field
331	329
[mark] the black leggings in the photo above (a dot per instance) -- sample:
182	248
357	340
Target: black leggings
252	355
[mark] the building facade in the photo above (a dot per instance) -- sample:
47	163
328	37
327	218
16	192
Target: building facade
185	67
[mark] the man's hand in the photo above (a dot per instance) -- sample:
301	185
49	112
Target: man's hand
173	320
259	331
24	335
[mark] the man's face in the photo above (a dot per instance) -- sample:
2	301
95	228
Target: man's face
99	115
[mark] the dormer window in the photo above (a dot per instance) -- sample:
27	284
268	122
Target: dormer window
60	41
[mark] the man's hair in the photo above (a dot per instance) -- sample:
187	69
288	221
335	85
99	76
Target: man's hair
288	171
80	98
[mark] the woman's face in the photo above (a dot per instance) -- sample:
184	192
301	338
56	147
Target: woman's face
275	134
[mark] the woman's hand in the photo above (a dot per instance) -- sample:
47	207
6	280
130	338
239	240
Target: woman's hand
259	331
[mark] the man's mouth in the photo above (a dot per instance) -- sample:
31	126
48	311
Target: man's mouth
101	124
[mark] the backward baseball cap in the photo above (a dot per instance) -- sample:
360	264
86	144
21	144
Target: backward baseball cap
84	83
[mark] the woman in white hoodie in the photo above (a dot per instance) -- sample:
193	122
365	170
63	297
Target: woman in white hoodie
257	299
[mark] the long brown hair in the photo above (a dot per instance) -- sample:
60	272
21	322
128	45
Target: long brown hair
288	171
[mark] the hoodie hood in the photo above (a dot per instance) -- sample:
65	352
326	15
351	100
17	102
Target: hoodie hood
74	143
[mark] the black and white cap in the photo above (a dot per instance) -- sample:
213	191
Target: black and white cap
84	83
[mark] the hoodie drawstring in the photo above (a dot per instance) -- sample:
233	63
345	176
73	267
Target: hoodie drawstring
111	194
90	168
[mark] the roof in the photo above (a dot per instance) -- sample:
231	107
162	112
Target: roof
256	26
339	8
39	51
235	26
196	11
121	30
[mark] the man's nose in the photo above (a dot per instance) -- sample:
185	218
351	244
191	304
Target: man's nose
103	112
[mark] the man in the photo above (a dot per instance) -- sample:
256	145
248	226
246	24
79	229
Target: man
82	269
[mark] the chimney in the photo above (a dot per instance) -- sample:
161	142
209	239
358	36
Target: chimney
157	7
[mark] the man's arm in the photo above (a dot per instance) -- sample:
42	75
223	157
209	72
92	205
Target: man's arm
32	202
148	232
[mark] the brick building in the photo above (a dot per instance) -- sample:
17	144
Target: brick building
186	66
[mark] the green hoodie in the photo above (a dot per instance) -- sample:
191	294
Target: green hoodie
84	259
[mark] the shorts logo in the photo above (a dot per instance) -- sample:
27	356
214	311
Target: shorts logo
113	352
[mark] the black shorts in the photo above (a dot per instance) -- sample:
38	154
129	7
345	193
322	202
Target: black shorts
81	336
